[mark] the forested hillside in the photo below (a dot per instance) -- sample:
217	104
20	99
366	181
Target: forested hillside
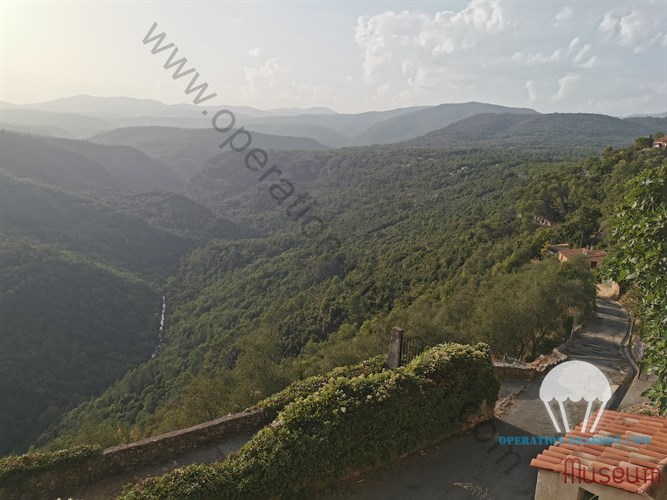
449	242
558	133
79	165
423	121
444	243
128	235
70	327
184	150
81	265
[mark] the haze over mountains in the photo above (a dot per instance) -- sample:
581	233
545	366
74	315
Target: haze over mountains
186	149
83	117
539	132
135	199
136	123
174	143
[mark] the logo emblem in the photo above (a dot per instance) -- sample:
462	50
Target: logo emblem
574	380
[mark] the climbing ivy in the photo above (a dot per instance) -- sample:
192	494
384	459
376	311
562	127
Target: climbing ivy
14	468
349	423
638	261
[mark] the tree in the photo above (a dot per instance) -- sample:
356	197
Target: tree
638	261
643	142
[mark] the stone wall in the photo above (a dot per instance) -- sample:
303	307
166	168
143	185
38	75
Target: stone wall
518	371
521	370
133	456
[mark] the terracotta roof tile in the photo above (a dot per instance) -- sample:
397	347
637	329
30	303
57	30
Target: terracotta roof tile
643	464
571	252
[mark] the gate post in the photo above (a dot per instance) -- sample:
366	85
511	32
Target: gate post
394	354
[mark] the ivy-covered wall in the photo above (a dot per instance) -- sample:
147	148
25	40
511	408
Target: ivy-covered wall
55	474
353	419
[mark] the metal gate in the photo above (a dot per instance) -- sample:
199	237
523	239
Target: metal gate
410	348
403	348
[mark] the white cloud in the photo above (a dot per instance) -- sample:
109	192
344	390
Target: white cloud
584	59
537	57
565	85
655	88
575	55
635	30
255	52
383	89
271	84
505	52
565	13
532	93
415	40
262	77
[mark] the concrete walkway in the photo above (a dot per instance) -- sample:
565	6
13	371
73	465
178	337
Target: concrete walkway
473	465
113	486
634	394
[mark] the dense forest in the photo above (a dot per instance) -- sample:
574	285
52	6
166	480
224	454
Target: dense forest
452	244
80	279
64	315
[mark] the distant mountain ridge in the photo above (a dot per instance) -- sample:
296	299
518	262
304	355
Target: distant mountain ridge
564	131
68	125
185	150
88	116
423	121
649	115
76	165
133	107
116	120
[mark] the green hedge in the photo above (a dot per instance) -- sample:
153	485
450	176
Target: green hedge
302	388
15	468
347	423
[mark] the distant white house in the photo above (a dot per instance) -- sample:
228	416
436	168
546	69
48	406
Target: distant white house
660	143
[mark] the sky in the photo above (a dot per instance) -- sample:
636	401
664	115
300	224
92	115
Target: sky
554	56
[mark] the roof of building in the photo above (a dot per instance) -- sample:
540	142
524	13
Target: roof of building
639	461
572	252
558	247
662	140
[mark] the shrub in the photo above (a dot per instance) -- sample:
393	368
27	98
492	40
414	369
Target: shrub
302	388
15	468
346	423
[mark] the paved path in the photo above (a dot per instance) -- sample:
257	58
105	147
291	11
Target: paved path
112	487
599	342
468	465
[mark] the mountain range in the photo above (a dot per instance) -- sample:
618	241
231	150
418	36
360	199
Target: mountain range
100	118
100	221
84	116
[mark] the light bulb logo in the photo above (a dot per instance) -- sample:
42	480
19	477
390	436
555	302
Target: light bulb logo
574	380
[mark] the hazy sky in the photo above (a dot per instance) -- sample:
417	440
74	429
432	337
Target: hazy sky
608	57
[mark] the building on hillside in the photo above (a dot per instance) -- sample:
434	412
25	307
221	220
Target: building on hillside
554	249
625	459
660	143
593	257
